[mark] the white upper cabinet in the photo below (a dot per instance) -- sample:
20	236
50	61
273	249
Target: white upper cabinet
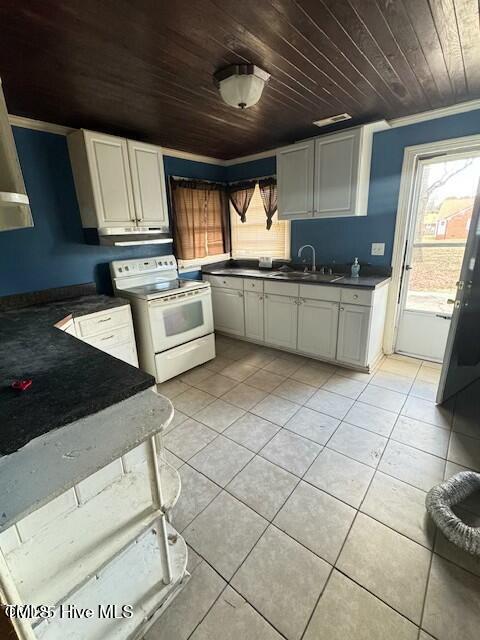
327	177
102	179
148	179
295	167
336	174
119	183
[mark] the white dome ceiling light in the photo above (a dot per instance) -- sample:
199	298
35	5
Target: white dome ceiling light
241	85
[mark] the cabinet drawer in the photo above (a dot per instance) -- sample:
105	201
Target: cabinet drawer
319	292
282	288
227	282
253	284
108	339
355	296
103	321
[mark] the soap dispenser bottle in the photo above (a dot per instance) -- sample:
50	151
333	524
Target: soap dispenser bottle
355	269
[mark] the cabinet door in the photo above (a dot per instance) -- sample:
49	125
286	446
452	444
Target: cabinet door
254	315
126	352
281	320
318	327
228	311
148	180
295	181
336	174
353	334
111	180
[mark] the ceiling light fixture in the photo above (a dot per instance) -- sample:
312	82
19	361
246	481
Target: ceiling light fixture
241	85
332	120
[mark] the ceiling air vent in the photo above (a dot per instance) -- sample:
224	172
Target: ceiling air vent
332	120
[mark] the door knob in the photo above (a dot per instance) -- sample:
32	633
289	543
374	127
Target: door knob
450	301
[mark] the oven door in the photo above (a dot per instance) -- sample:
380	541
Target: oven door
181	317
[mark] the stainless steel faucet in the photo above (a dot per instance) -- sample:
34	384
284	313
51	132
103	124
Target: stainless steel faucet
304	246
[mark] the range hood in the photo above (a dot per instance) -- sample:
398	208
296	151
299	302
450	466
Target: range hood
132	236
14	204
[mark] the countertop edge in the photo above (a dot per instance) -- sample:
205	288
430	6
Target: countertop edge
52	463
43	408
342	283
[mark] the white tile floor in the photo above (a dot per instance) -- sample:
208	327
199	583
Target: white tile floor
303	501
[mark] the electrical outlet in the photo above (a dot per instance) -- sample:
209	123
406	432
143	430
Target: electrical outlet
378	248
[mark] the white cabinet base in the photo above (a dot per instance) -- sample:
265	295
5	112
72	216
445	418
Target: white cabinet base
338	325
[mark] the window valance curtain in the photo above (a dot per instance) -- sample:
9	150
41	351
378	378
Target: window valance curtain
240	195
268	191
200	218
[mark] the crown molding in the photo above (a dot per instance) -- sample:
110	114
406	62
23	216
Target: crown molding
39	125
442	112
194	157
253	156
461	107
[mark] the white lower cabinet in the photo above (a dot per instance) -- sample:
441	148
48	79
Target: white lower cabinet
281	320
110	331
254	315
352	344
228	311
337	324
318	327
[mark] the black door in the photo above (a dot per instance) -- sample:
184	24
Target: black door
461	364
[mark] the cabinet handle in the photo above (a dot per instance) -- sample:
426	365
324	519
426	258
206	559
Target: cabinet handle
105	319
108	337
240	294
355	296
260	297
266	297
342	309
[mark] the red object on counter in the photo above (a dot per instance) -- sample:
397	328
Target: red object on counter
22	385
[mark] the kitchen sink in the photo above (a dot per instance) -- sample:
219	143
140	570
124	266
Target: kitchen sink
323	277
289	275
306	275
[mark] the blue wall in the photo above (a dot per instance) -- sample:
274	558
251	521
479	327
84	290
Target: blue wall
343	239
53	253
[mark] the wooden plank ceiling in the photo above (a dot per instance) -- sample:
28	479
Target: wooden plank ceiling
144	68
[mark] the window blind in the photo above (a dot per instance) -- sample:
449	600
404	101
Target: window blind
251	239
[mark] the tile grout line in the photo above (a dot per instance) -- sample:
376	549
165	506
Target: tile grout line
300	479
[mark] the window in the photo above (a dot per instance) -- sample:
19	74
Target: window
252	239
200	220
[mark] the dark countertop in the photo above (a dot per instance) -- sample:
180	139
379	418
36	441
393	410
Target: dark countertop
364	282
71	379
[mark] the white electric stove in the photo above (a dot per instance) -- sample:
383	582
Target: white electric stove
172	317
